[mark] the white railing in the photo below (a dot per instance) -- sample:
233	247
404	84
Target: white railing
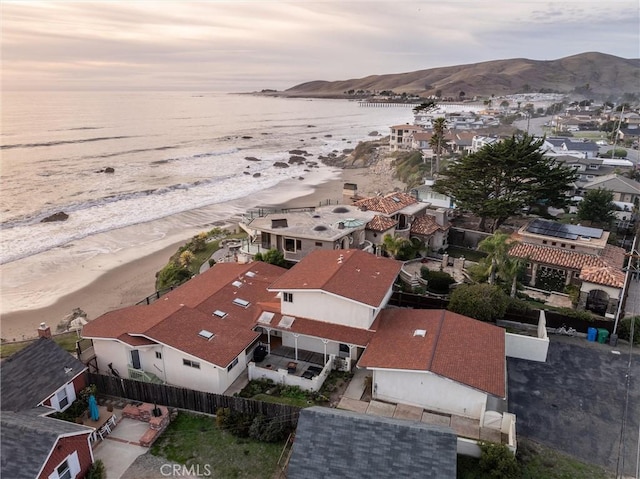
282	376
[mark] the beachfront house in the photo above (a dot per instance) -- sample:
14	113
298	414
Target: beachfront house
559	255
198	336
297	233
401	137
37	381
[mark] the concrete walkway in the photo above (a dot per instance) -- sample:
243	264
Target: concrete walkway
120	448
357	385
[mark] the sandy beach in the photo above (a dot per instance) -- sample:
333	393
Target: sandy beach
125	284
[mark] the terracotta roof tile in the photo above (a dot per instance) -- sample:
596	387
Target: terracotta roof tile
381	223
426	225
388	204
611	256
454	346
603	275
353	274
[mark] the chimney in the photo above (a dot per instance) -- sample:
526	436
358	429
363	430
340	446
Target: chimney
44	331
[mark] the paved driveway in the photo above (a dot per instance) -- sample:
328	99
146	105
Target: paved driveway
575	401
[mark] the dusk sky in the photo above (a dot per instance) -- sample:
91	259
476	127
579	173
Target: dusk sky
251	45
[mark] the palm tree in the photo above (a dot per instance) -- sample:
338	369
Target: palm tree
511	269
396	246
438	141
496	247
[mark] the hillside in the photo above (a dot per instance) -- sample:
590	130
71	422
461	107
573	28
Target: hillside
605	75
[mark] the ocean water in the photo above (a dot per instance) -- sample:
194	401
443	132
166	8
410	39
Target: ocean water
179	166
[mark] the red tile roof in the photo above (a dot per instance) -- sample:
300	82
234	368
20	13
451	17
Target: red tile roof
426	225
456	347
322	329
381	223
353	274
612	257
603	275
388	204
176	318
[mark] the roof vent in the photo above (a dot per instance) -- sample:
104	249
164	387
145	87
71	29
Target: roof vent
206	334
341	225
420	332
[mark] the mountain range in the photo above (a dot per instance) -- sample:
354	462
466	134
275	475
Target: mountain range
592	74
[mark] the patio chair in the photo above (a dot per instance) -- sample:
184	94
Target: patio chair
112	420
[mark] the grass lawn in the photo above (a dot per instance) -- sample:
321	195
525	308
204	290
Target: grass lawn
538	462
67	341
196	440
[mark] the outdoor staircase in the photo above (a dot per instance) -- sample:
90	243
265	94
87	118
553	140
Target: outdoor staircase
144	376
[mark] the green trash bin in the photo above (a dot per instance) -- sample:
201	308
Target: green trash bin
603	334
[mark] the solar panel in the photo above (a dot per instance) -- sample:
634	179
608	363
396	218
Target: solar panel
560	230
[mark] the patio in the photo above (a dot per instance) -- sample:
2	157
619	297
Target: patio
307	365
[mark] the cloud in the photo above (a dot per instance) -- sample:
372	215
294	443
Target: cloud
276	44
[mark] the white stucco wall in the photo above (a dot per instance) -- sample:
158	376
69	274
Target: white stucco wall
429	391
169	367
310	343
329	308
526	347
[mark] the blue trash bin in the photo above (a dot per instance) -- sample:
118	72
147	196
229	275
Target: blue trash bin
592	334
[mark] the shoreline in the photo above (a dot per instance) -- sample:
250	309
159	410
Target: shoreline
125	284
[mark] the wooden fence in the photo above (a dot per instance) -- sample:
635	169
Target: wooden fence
189	399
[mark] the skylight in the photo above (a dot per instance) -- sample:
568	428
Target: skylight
251	274
237	284
420	332
220	314
266	317
241	302
286	322
206	334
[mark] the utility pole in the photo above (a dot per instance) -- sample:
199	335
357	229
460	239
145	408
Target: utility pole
633	269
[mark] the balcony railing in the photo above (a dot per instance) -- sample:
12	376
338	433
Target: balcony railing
144	376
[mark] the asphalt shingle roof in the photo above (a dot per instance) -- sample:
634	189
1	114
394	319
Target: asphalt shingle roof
33	374
26	440
332	443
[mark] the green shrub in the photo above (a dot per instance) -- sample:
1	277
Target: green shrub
97	470
267	430
480	301
624	329
439	282
497	461
255	387
172	274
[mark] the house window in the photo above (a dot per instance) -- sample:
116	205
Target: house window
573	246
544	241
158	355
562	245
319	244
576	274
287	297
191	364
553	243
63	470
292	245
63	400
233	363
344	351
